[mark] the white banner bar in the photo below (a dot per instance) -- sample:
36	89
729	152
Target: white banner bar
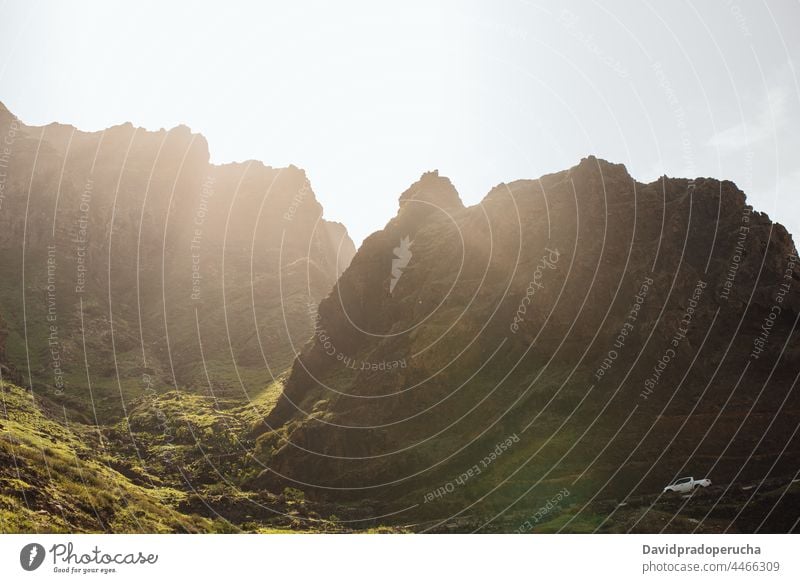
355	558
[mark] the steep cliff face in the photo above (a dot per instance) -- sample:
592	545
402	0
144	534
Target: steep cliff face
130	263
610	333
3	337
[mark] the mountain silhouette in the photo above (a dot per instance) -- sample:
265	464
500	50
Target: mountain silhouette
613	331
192	347
166	271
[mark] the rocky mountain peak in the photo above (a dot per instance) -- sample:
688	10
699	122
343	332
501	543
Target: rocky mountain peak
137	217
504	320
593	168
434	191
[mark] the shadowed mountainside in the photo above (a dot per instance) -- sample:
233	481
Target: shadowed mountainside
147	297
546	360
130	264
580	331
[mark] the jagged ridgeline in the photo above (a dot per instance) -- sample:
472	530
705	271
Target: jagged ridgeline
581	332
547	359
131	264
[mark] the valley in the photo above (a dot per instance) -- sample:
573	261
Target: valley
191	347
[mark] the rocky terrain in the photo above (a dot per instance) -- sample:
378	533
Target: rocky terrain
131	264
150	305
191	347
580	331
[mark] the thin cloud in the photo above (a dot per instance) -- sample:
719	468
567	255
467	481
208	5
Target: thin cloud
771	115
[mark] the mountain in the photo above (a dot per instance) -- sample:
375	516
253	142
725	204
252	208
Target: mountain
150	305
131	265
191	347
582	333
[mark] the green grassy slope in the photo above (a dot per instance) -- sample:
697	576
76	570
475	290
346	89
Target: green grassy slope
59	477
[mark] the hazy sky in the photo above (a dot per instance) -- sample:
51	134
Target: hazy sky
367	95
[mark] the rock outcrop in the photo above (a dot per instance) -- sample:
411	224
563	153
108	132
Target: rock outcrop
611	333
128	257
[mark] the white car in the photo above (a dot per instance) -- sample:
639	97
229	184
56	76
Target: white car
687	485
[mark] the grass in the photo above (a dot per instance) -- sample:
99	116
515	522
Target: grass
190	456
53	479
585	522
